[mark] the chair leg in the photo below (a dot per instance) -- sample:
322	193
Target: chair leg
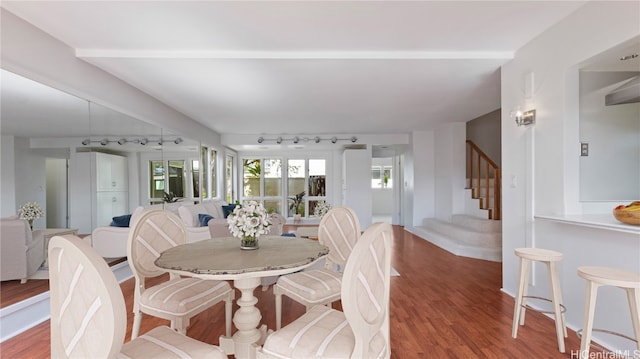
180	325
561	329
228	307
587	320
517	308
633	295
278	309
137	321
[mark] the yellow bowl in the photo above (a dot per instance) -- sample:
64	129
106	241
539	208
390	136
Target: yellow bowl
628	217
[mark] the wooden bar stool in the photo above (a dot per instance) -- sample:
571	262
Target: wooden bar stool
550	258
599	276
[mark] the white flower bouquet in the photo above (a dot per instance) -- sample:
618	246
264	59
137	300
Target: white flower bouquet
30	211
321	209
249	221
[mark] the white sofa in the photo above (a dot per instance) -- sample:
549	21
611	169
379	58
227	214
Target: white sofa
22	250
190	216
111	242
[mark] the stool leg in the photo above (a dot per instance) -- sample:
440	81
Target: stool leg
633	296
518	310
525	289
556	296
587	320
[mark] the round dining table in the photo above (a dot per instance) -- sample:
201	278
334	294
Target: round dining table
222	259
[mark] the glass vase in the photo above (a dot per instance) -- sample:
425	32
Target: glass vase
249	243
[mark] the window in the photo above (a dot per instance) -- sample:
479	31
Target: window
230	196
276	182
381	177
213	169
205	171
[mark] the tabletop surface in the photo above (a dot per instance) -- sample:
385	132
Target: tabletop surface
220	256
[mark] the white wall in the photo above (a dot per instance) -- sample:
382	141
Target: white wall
7	177
56	193
541	164
30	178
420	196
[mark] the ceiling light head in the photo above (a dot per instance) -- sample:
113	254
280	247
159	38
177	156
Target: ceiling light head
178	141
354	139
143	141
260	139
296	139
316	139
160	142
279	140
629	57
334	139
86	141
122	141
104	141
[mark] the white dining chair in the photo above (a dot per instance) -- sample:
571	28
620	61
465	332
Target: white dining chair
177	299
362	329
88	314
339	230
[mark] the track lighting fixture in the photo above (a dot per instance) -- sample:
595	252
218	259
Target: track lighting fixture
123	140
297	139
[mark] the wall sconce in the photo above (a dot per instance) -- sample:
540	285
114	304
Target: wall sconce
526	118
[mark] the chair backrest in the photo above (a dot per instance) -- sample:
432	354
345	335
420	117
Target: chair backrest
88	314
277	224
219	228
153	233
339	230
365	289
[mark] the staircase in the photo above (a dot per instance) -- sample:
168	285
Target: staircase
478	232
465	236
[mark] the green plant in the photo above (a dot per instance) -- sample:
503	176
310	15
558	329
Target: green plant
170	197
296	201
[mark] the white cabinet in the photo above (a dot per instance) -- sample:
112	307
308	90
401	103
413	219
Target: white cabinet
107	194
111	172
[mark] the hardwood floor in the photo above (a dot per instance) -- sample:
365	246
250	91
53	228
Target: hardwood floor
442	306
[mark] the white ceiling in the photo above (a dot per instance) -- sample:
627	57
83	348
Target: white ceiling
312	67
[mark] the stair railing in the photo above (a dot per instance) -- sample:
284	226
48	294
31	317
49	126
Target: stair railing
482	167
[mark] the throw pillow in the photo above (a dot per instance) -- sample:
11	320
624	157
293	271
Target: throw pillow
121	221
228	209
204	219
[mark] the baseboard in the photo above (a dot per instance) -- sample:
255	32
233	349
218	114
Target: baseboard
30	312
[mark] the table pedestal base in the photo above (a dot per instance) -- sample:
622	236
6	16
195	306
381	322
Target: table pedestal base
250	336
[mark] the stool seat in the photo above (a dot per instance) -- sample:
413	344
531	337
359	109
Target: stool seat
539	254
610	276
550	259
607	276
